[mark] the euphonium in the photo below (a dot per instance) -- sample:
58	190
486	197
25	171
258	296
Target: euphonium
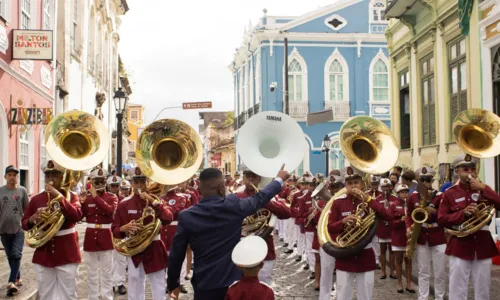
476	132
369	146
260	223
168	152
51	218
419	216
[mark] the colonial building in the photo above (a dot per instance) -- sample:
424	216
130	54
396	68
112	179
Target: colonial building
337	59
87	60
218	138
27	88
489	28
135	122
435	74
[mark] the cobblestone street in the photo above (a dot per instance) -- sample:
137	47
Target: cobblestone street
291	282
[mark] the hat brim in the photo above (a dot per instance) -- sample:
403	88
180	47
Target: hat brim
352	177
401	190
52	171
466	164
12	171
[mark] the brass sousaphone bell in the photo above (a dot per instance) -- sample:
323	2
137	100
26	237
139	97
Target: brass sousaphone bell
169	152
369	146
477	132
76	141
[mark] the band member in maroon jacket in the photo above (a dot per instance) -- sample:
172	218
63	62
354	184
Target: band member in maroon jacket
305	209
299	220
293	227
431	243
384	230
120	261
153	261
313	218
177	202
98	209
374	191
289	225
359	269
277	208
248	255
470	255
56	262
114	184
398	212
192	195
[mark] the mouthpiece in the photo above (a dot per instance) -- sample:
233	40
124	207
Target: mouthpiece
51	182
470	176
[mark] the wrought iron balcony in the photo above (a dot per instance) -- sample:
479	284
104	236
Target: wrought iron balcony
256	108
407	9
298	109
250	112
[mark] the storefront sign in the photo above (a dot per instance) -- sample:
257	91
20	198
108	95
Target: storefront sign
4	40
30	116
196	105
32	44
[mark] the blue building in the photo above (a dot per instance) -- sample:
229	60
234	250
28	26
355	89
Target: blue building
337	58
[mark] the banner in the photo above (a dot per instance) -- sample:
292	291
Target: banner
31	116
32	44
464	13
320	117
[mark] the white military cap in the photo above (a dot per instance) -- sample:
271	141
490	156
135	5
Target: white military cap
306	174
137	173
464	159
114	180
385	182
308	179
125	185
301	180
402	187
249	252
51	166
374	179
426	172
320	175
98	173
351	173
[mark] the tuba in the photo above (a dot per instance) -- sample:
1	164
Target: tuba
476	132
369	146
265	142
78	141
168	152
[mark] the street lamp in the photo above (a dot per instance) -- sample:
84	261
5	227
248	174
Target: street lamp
120	99
326	148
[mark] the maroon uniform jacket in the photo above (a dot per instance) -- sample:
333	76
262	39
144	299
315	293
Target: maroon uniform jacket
397	211
451	213
384	227
193	197
154	258
341	208
120	198
373	194
277	208
315	221
176	202
62	249
249	288
430	232
295	206
305	206
99	210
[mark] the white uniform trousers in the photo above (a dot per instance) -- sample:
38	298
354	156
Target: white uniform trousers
265	274
119	268
280	226
326	279
100	261
364	285
57	283
137	283
311	259
424	256
301	242
290	233
376	249
460	271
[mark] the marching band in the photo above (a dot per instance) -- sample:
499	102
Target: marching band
346	225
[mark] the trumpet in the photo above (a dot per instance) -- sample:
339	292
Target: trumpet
316	208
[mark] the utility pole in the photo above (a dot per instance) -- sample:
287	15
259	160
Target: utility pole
286	77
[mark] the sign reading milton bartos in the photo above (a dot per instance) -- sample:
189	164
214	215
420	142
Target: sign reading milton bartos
32	44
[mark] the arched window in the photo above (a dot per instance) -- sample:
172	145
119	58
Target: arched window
336	81
295	80
380	81
377	11
337	158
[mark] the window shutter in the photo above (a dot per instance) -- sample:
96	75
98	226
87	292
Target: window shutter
463	100
425	123
454	107
432	122
7	10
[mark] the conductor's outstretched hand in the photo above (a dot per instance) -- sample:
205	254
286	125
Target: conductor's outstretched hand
283	174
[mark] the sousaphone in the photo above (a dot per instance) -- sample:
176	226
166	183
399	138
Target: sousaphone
168	152
369	146
264	143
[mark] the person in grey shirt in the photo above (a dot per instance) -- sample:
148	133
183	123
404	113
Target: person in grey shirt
13	201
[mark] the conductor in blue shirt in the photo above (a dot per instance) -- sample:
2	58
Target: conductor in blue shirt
213	228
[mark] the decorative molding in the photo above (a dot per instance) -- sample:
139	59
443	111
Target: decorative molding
336	55
482	33
414	45
433	34
271	47
359	48
335	22
440	26
407	50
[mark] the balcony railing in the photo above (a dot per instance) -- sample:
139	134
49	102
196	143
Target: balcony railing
250	112
256	108
235	124
242	119
341	110
298	109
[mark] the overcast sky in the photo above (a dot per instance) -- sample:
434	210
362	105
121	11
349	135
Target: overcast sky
178	51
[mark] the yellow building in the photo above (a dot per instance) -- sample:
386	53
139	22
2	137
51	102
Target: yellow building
435	74
489	28
135	121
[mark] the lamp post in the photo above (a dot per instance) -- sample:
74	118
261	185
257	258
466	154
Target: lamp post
326	148
120	100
